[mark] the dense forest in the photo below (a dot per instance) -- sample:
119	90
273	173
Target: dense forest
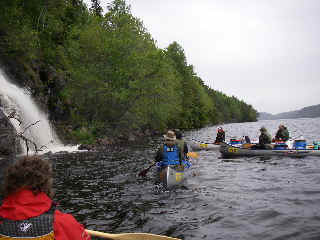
101	73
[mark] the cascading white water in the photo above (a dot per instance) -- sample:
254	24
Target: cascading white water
34	123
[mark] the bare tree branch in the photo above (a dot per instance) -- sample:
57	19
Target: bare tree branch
30	126
26	140
13	115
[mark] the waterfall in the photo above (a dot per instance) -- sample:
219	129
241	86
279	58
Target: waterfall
34	122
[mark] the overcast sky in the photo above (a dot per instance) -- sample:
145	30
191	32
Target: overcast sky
265	52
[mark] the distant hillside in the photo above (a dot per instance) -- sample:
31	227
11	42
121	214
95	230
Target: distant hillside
265	116
307	112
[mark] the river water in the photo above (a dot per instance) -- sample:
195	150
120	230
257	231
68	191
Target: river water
246	198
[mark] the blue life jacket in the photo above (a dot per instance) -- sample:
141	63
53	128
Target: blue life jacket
170	155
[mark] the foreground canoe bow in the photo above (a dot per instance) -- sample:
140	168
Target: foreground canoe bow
129	236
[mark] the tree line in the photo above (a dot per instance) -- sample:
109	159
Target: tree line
103	73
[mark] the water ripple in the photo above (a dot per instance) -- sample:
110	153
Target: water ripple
272	198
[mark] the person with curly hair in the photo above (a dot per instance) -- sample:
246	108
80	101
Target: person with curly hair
28	211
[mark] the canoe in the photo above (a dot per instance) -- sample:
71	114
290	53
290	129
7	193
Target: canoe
228	151
171	175
198	146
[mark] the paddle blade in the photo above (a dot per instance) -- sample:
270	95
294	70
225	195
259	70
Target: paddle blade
129	236
143	173
193	154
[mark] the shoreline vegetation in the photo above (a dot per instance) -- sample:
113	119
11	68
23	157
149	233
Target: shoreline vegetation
101	77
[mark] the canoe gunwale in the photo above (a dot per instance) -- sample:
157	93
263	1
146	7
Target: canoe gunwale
198	146
227	150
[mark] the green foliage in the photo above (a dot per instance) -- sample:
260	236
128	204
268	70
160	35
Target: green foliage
115	76
84	135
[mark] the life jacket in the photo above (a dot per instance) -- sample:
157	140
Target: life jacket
171	155
34	228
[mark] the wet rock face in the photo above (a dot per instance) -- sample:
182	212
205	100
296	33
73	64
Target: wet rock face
9	146
9	143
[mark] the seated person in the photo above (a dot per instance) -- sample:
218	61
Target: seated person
28	211
220	136
282	134
264	140
247	139
170	153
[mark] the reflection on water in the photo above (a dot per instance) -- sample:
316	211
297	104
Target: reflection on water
246	198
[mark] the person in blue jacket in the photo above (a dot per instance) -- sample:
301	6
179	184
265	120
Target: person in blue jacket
170	152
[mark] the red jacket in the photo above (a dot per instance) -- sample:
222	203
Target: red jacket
24	204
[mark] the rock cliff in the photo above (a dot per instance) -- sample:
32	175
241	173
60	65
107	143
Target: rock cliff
9	142
9	145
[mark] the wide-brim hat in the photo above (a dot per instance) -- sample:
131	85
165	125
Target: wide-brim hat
171	136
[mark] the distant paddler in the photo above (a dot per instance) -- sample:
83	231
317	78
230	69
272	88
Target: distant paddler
221	136
264	140
282	134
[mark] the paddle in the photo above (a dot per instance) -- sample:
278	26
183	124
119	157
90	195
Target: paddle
145	171
129	236
193	154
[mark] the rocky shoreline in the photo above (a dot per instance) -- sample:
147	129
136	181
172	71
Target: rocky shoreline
103	144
